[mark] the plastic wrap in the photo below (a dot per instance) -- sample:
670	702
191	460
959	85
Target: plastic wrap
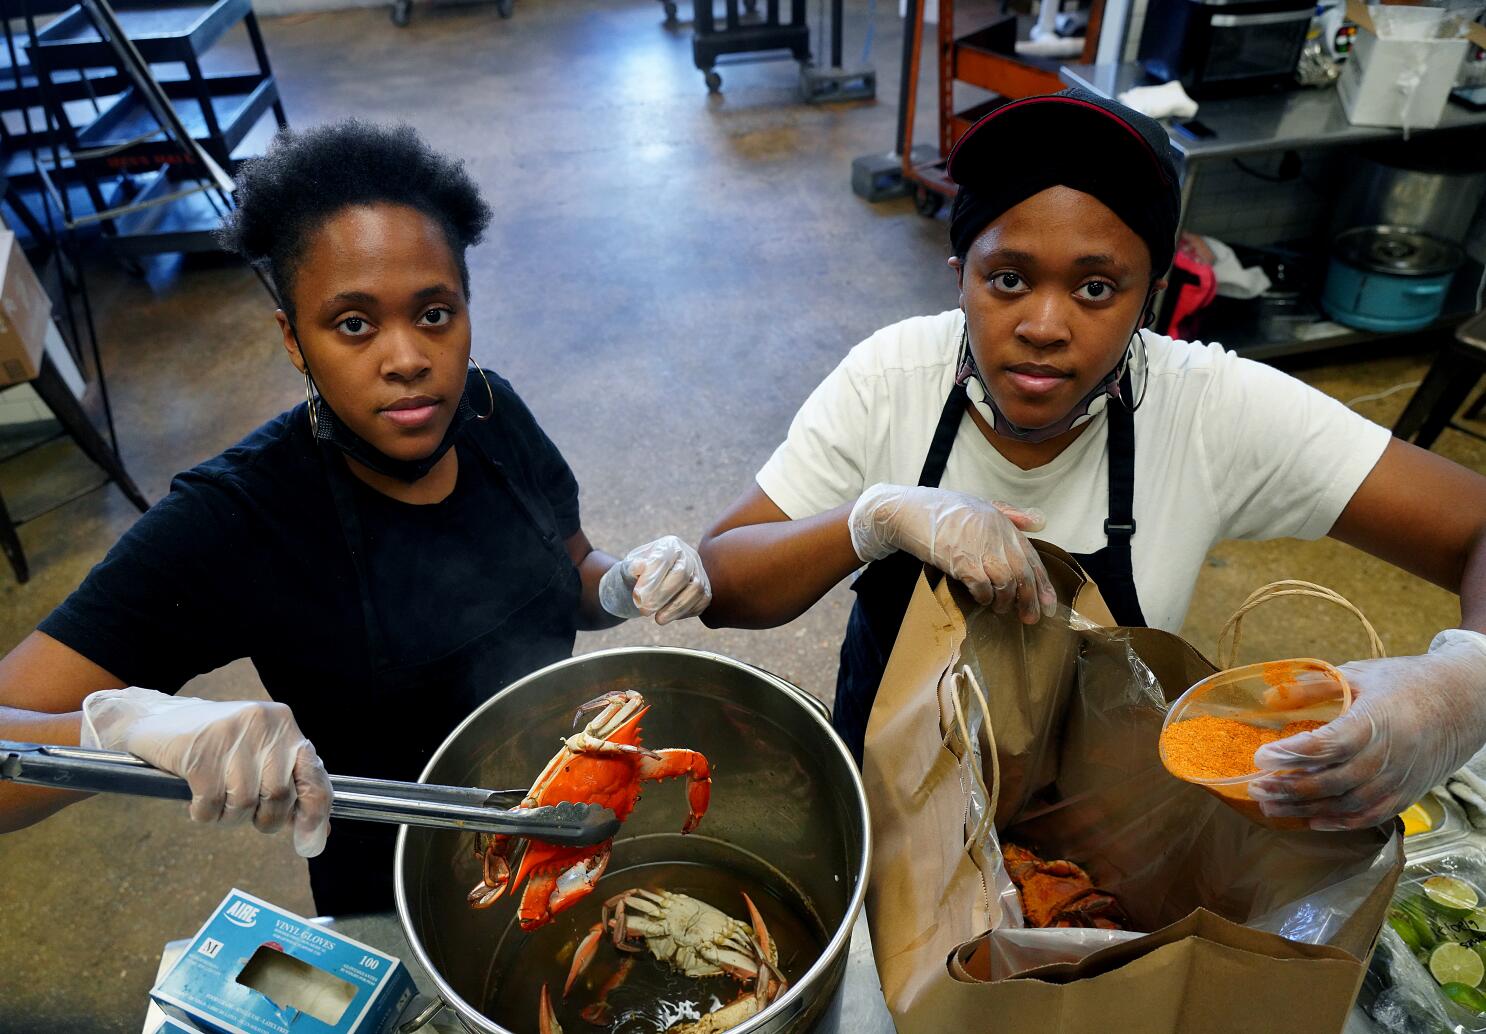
1399	993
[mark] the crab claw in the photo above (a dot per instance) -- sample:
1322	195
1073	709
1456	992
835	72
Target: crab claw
483	895
583	957
760	931
771	983
598	703
546	1018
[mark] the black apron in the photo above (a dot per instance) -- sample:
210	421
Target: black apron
393	724
885	587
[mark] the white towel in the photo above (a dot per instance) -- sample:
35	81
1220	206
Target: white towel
1468	786
1166	100
1235	280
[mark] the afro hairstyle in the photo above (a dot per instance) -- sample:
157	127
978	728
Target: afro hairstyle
307	177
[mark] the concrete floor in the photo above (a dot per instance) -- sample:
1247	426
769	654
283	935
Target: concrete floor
667	277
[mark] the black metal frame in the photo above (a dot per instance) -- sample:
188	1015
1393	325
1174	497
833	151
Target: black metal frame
769	36
1452	377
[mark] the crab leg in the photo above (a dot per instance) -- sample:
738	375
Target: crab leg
546	1018
760	931
671	764
771	982
583	957
617	708
600	1013
496	874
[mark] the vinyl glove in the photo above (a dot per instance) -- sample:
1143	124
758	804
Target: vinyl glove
664	579
979	543
243	758
1413	721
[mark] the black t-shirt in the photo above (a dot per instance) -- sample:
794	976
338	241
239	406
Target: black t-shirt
247	556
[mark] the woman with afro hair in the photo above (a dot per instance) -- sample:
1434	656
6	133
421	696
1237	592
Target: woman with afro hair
389	553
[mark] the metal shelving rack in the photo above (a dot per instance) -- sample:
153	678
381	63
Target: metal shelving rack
138	132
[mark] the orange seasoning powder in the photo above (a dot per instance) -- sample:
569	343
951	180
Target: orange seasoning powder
1207	747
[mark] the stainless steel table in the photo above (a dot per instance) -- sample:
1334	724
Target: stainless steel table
857	1008
1264	122
1283	121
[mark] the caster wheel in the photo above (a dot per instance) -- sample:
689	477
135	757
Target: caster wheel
504	7
670	13
402	11
714	82
927	202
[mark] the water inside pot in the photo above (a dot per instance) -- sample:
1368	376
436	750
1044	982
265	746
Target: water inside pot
654	996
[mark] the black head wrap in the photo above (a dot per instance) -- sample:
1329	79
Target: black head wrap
1073	139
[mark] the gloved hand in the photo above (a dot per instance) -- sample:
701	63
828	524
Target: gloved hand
243	758
976	542
664	578
1413	721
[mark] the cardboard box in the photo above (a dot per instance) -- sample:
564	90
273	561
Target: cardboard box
154	1019
169	1026
1397	81
254	968
25	314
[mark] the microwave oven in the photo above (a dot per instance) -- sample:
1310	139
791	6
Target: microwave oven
1224	48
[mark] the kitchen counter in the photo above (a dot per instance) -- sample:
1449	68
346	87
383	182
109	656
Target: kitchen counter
1260	123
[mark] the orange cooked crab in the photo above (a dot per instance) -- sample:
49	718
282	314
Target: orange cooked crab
1059	893
603	764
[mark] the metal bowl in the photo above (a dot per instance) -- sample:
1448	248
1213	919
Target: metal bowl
784	791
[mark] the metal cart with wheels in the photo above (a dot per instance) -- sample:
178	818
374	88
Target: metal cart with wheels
402	10
743	32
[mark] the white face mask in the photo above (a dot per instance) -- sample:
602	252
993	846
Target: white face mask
1133	362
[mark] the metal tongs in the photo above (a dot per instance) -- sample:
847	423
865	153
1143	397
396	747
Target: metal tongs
353	797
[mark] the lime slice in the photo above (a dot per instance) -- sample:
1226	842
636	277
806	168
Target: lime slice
1451	895
1464	994
1454	964
1404	927
1480	949
1423	925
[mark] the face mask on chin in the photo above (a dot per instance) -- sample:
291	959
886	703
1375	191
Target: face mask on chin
1086	409
330	430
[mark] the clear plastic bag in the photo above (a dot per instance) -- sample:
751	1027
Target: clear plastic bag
1056	728
1399	992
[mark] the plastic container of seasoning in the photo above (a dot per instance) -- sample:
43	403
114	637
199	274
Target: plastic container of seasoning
1213	729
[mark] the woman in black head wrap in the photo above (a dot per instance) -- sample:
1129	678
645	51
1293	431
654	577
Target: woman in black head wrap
1134	452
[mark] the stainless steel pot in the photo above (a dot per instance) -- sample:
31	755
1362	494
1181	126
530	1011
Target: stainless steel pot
785	791
1432	190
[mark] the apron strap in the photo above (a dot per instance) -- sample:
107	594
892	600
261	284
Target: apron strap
349	519
1117	577
944	437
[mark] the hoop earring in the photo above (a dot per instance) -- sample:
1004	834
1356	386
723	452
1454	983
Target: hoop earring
491	412
312	403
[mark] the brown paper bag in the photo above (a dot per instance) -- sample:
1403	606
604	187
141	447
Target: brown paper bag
1060	748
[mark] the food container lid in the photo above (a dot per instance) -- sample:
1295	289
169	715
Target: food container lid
1397	250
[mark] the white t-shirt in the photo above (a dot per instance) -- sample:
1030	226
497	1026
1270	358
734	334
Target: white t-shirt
1225	448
